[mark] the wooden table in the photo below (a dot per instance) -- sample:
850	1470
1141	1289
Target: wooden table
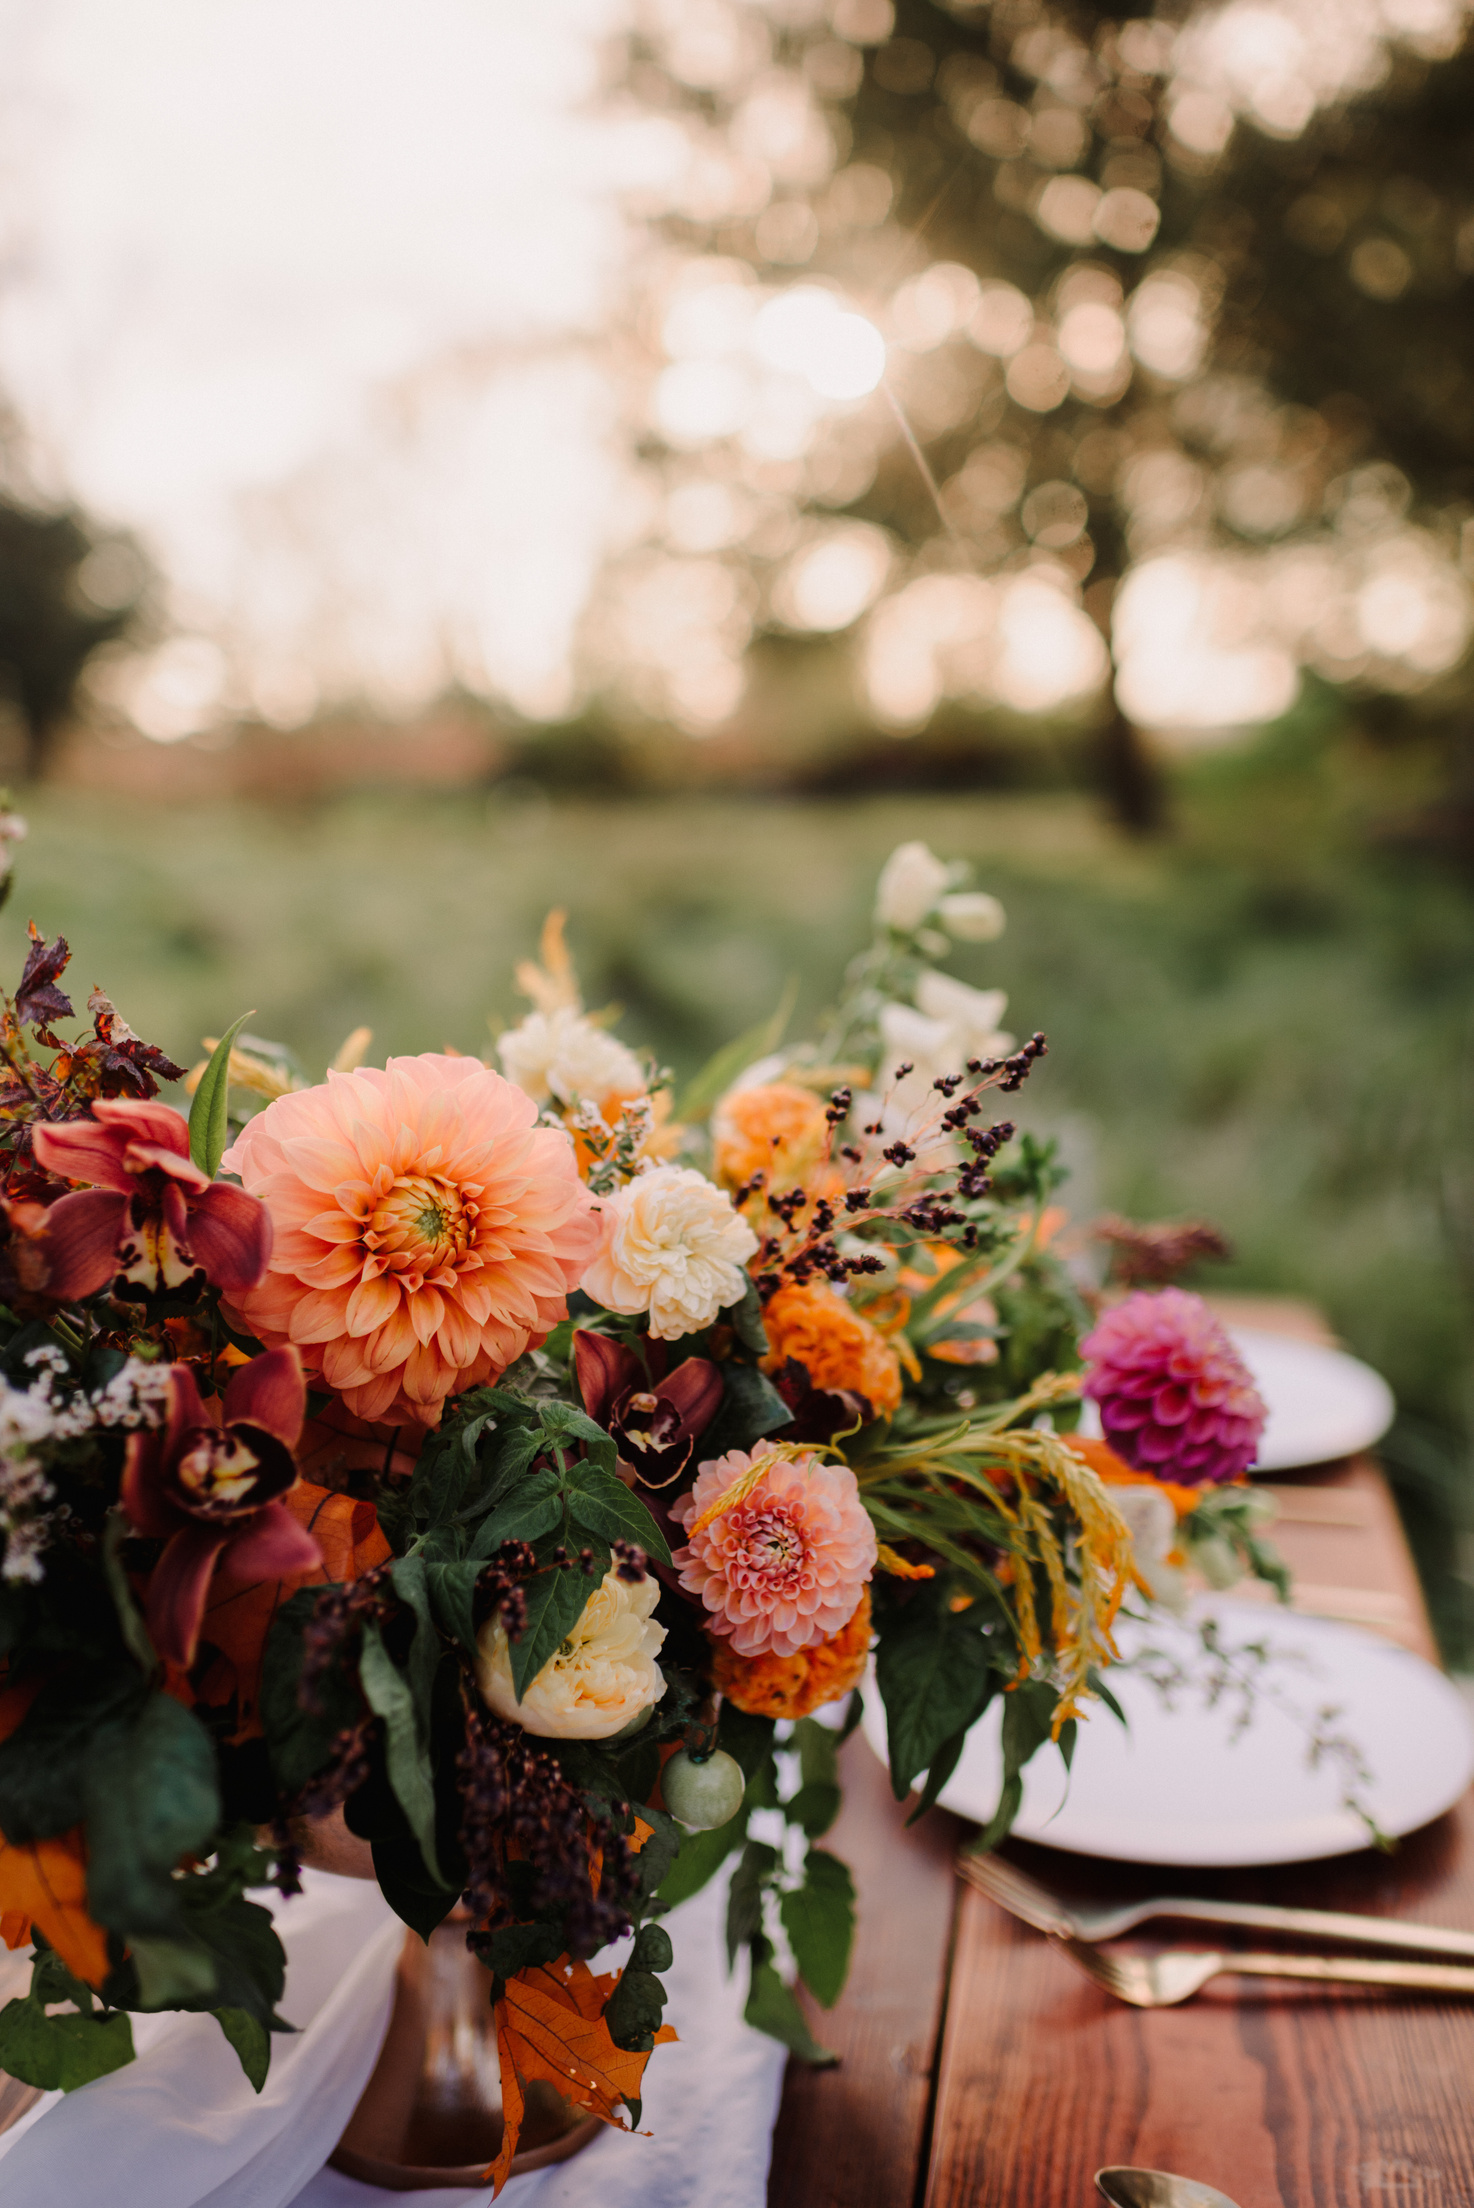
981	2070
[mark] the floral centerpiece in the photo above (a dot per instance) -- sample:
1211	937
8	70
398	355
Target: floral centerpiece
526	1465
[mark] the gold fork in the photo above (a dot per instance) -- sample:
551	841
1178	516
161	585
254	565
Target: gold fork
1161	1981
1025	1898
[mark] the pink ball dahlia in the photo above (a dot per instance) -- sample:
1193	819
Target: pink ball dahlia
1176	1399
782	1569
427	1230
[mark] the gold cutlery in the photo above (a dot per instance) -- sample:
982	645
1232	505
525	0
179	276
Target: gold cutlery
1025	1898
1161	1981
1125	2188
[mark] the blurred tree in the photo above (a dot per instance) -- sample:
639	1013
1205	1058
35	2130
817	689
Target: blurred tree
1175	315
66	589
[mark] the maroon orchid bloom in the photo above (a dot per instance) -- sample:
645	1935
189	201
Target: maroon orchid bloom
819	1413
211	1489
656	1421
151	1215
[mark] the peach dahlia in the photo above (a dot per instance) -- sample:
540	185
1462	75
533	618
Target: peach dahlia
426	1230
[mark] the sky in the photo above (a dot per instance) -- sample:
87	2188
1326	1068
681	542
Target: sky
302	290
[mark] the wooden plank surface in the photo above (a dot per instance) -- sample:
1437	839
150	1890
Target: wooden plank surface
858	2134
1273	2094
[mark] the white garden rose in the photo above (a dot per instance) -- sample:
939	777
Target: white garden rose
601	1677
672	1245
566	1055
911	881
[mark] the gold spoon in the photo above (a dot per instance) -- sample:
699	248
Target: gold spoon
1161	1981
1157	2189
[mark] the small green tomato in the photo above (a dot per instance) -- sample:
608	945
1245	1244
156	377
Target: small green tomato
703	1791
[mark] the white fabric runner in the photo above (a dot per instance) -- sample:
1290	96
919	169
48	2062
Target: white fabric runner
180	2128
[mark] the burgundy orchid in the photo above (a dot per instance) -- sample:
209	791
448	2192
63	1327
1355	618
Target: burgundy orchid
211	1489
656	1422
150	1214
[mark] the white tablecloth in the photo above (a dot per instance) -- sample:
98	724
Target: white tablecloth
180	2127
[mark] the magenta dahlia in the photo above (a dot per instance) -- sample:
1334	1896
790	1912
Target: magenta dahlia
1176	1399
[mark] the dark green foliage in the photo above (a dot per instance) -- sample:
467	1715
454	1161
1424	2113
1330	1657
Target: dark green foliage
67	2050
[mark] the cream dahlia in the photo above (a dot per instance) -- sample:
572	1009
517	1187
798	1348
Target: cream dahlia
670	1244
426	1230
601	1676
783	1567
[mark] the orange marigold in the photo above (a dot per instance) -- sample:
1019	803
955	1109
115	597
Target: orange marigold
791	1686
778	1129
837	1347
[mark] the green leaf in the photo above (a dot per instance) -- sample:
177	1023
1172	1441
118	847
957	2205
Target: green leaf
62	2051
935	1678
745	1317
452	1589
819	1918
521	1947
150	1796
1028	1714
534	1508
130	1618
747	1739
745	1896
818	1752
556	1600
251	2041
603	1505
814	1807
633	2010
659	1851
422	1902
389	1696
43	1764
699	1858
773	2008
207	1112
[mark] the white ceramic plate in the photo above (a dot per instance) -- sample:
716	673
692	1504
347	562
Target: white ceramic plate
1322	1403
1182	1784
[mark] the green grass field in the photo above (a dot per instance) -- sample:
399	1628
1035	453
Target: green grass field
1254	1021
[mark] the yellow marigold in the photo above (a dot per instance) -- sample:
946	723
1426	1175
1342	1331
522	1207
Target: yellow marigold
835	1345
778	1129
791	1686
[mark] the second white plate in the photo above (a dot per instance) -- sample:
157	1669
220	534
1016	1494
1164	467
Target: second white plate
1185	1782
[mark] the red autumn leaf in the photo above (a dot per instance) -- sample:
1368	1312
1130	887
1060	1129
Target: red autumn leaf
38	1001
120	1063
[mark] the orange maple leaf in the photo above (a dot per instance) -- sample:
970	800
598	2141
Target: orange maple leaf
550	2024
44	1882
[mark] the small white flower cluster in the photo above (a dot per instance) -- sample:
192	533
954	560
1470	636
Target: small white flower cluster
38	1417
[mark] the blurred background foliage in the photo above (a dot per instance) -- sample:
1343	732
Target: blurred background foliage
1038	429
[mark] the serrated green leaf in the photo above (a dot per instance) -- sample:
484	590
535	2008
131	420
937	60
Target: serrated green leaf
389	1696
773	2008
603	1505
251	2041
819	1918
534	1507
556	1600
62	2051
207	1113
